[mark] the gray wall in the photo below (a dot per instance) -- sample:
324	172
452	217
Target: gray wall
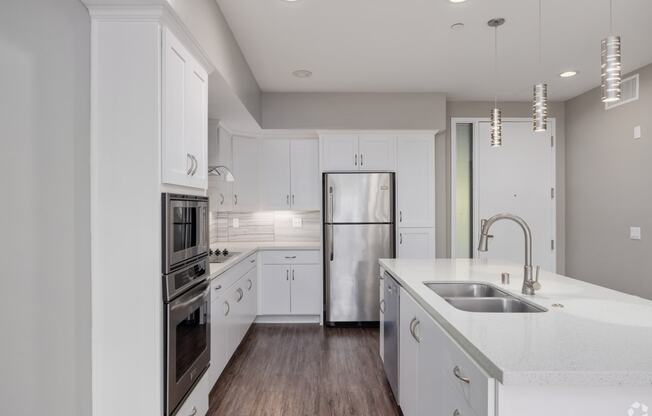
608	190
354	111
510	109
44	215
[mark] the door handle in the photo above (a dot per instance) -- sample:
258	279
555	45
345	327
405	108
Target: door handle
241	293
355	160
292	274
292	199
458	373
235	198
188	159
382	306
290	257
413	326
195	165
287	199
400	238
400	216
331	196
221	198
361	159
228	308
287	274
250	284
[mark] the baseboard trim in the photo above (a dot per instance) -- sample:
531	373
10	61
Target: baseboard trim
287	319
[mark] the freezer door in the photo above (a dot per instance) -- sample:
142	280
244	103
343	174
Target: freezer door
352	270
359	198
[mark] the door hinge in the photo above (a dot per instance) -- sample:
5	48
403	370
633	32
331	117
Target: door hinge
552	141
552	244
552	193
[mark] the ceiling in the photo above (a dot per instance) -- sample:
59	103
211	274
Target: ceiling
408	45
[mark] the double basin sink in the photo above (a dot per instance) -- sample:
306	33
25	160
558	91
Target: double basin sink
481	297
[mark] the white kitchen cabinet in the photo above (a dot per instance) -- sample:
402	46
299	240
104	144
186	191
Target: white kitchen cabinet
382	314
304	169
415	181
409	355
339	152
219	352
415	243
245	171
305	289
274	165
275	289
376	152
220	192
184	116
196	404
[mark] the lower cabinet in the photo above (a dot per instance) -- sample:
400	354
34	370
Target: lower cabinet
436	376
382	315
196	404
416	243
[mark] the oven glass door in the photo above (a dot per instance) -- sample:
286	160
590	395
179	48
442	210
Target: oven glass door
188	343
188	228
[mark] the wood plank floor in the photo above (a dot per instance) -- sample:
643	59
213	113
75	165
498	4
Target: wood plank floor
304	370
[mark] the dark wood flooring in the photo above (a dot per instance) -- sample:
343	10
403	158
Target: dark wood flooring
304	370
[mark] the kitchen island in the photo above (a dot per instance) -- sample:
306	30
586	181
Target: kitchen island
589	352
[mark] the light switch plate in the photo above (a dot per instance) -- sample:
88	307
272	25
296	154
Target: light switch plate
236	223
297	222
637	132
634	233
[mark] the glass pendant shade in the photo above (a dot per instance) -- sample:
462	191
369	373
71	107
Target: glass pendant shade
496	128
611	69
540	108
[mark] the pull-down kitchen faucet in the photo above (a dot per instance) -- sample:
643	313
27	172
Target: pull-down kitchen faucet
530	283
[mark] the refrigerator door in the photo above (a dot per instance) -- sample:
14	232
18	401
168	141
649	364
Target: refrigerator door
352	285
359	198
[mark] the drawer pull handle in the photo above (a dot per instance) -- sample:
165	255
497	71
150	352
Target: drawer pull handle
413	326
382	306
250	284
290	257
228	308
252	261
457	373
241	295
218	287
194	411
456	413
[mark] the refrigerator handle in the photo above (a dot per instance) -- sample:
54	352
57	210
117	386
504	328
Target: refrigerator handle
332	205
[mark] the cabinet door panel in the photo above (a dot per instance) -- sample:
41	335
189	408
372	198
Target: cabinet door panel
251	294
408	359
306	289
274	171
220	192
219	356
416	243
377	152
275	290
196	122
415	175
339	152
304	159
245	171
429	372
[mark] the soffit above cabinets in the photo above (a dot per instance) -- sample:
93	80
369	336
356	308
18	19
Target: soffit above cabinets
408	45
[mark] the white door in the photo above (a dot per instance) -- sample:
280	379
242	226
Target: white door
196	122
416	243
245	171
304	162
376	152
516	178
415	175
408	356
274	174
275	290
339	152
251	292
219	356
306	289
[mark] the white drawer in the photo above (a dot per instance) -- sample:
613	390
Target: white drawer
224	281
471	382
454	404
196	403
291	257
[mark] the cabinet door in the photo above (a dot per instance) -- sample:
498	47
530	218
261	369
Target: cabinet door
220	192
196	122
305	295
415	176
416	243
274	173
408	358
219	356
245	171
305	180
430	380
275	289
376	152
251	295
176	161
231	322
382	315
339	152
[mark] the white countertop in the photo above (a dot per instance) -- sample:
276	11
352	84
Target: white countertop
248	248
599	338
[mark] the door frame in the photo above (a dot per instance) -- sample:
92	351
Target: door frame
475	121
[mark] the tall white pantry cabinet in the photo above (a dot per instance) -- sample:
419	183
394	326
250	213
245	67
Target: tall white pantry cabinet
148	136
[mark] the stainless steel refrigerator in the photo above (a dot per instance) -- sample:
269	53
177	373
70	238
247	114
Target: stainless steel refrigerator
358	230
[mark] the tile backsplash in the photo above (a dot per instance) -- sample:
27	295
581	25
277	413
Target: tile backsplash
264	226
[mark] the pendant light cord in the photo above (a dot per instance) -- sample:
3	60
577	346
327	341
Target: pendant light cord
540	47
495	66
611	17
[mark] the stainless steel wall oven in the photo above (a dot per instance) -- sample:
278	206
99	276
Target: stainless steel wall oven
185	229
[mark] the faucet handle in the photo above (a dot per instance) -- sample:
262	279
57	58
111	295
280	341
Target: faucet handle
536	285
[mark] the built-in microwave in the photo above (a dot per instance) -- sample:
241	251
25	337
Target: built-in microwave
185	229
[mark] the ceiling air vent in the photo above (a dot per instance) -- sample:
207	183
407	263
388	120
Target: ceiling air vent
629	92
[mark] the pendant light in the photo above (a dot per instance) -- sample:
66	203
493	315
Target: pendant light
540	93
611	63
496	127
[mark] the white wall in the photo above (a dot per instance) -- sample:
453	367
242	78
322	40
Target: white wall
44	213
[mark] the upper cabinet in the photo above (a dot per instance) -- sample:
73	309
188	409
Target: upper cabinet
245	171
415	181
184	116
289	174
351	152
220	192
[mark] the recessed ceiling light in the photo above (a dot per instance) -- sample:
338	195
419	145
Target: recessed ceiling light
457	26
457	1
302	73
568	74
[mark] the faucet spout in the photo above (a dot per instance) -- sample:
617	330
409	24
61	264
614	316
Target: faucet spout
530	284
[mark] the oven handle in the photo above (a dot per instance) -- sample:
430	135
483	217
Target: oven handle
192	301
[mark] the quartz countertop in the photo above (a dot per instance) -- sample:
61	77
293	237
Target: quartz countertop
248	248
600	337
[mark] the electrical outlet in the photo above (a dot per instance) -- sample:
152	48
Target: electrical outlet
236	223
637	132
297	222
634	233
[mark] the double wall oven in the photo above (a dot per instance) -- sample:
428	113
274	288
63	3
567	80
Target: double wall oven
186	295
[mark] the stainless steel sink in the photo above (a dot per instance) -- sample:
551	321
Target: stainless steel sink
480	297
466	290
494	305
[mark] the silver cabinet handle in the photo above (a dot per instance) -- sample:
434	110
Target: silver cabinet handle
241	293
456	413
290	257
400	216
355	160
189	159
292	199
361	159
458	373
413	327
194	411
218	287
221	198
194	164
252	261
251	284
292	274
235	199
228	308
287	274
400	238
287	199
382	306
